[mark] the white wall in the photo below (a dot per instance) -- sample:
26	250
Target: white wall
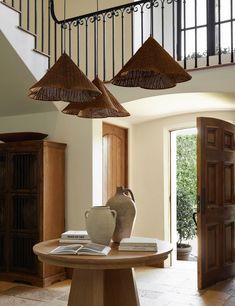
83	157
151	168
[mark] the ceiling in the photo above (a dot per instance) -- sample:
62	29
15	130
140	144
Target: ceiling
151	108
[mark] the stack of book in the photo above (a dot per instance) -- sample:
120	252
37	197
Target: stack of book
141	244
75	237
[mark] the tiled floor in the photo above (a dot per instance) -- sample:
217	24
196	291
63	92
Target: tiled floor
175	286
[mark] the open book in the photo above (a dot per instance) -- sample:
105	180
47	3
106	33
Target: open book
79	249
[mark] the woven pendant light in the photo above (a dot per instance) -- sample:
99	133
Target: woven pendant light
151	67
103	106
64	82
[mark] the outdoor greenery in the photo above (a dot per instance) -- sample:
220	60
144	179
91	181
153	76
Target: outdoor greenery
186	180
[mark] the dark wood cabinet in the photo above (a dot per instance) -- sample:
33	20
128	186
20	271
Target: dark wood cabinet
31	208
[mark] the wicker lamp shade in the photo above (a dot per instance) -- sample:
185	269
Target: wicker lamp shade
103	106
64	82
151	67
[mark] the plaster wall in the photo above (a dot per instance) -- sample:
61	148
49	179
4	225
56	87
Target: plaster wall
151	170
83	139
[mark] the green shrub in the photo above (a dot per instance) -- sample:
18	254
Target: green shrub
186	180
185	209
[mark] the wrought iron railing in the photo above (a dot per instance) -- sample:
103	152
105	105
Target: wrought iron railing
197	33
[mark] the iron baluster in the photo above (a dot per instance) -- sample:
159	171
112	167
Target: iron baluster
113	45
55	41
28	15
49	36
36	23
70	40
162	10
20	9
123	55
184	5
95	47
132	32
173	28
219	33
232	57
104	47
78	43
42	25
195	16
142	23
62	48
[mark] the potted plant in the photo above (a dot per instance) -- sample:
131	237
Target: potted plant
185	224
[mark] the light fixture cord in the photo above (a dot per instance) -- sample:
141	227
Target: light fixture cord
64	26
97	41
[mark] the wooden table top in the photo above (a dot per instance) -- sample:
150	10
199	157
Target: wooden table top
114	260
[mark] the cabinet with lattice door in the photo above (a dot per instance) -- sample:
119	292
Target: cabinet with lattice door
31	208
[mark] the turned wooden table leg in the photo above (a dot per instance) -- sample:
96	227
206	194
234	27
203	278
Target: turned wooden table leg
103	288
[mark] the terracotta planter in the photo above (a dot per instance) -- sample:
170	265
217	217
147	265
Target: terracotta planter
183	252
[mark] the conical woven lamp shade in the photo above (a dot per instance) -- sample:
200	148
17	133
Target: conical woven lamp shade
103	106
64	82
151	67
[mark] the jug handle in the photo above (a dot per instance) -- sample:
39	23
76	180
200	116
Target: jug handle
87	213
131	193
114	213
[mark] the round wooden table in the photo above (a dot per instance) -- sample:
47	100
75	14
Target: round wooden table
103	280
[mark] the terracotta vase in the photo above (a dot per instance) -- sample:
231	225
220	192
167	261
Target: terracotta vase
100	224
126	212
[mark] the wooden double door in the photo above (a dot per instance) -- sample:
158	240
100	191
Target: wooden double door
216	200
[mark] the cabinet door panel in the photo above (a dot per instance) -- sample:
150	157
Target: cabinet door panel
24	213
3	171
25	171
2	252
3	214
3	247
22	258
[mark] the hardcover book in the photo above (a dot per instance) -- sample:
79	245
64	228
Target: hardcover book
139	241
76	241
138	244
79	249
75	235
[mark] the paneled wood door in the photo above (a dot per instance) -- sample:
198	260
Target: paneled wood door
115	159
216	202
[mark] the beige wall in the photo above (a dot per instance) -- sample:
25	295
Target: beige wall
150	170
83	157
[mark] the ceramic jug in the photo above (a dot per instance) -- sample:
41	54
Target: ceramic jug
126	212
100	224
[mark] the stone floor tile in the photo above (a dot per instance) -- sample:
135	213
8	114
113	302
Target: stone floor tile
230	301
17	290
41	294
6	300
